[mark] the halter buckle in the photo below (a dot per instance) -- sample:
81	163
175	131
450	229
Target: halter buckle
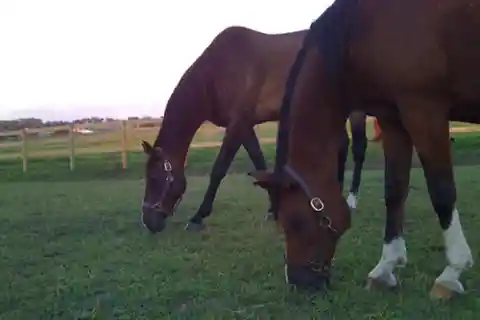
167	166
317	204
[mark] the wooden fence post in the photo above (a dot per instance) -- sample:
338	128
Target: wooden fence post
71	145
124	144
24	149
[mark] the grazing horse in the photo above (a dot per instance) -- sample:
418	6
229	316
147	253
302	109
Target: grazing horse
236	83
413	64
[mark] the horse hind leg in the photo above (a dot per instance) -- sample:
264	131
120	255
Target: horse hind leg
229	148
359	148
398	160
429	129
254	151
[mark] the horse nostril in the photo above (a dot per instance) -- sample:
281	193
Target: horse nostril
152	219
146	205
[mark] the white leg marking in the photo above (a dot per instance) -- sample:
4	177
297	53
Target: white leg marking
141	216
286	275
394	254
459	255
352	201
285	266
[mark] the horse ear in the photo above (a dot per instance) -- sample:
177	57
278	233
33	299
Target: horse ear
263	179
267	180
158	152
147	148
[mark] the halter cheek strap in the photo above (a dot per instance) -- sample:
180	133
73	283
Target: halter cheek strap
316	203
167	167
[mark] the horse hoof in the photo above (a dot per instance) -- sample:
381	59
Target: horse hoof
269	217
445	291
195	227
440	292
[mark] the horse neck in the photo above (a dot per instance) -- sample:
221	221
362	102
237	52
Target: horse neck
183	117
176	134
185	112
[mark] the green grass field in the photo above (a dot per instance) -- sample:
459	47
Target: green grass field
72	246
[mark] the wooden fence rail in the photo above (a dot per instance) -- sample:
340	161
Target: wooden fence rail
120	136
24	140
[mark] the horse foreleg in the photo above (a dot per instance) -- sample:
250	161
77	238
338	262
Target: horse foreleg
229	148
359	148
398	161
342	158
254	150
430	133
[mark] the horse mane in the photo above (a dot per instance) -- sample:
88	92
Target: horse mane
330	33
281	150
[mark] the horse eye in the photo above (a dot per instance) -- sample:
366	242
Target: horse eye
156	175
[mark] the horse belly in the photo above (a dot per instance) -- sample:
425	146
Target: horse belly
271	94
462	50
268	108
465	113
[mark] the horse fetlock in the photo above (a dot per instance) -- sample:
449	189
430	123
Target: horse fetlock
202	212
394	254
352	200
383	272
195	226
458	252
386	279
269	216
460	257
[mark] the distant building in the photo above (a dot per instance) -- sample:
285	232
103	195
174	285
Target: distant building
82	131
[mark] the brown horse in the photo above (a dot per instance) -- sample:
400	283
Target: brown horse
236	83
413	64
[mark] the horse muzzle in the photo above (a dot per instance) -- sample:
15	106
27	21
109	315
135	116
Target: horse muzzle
307	278
154	220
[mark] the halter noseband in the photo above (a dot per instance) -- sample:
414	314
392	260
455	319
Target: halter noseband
158	206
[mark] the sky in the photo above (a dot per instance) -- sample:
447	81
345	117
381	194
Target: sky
66	59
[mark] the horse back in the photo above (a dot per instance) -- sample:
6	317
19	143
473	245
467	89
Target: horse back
404	46
248	69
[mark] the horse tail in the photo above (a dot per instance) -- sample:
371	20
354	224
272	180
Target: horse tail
281	151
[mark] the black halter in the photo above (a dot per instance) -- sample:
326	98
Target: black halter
169	179
316	203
